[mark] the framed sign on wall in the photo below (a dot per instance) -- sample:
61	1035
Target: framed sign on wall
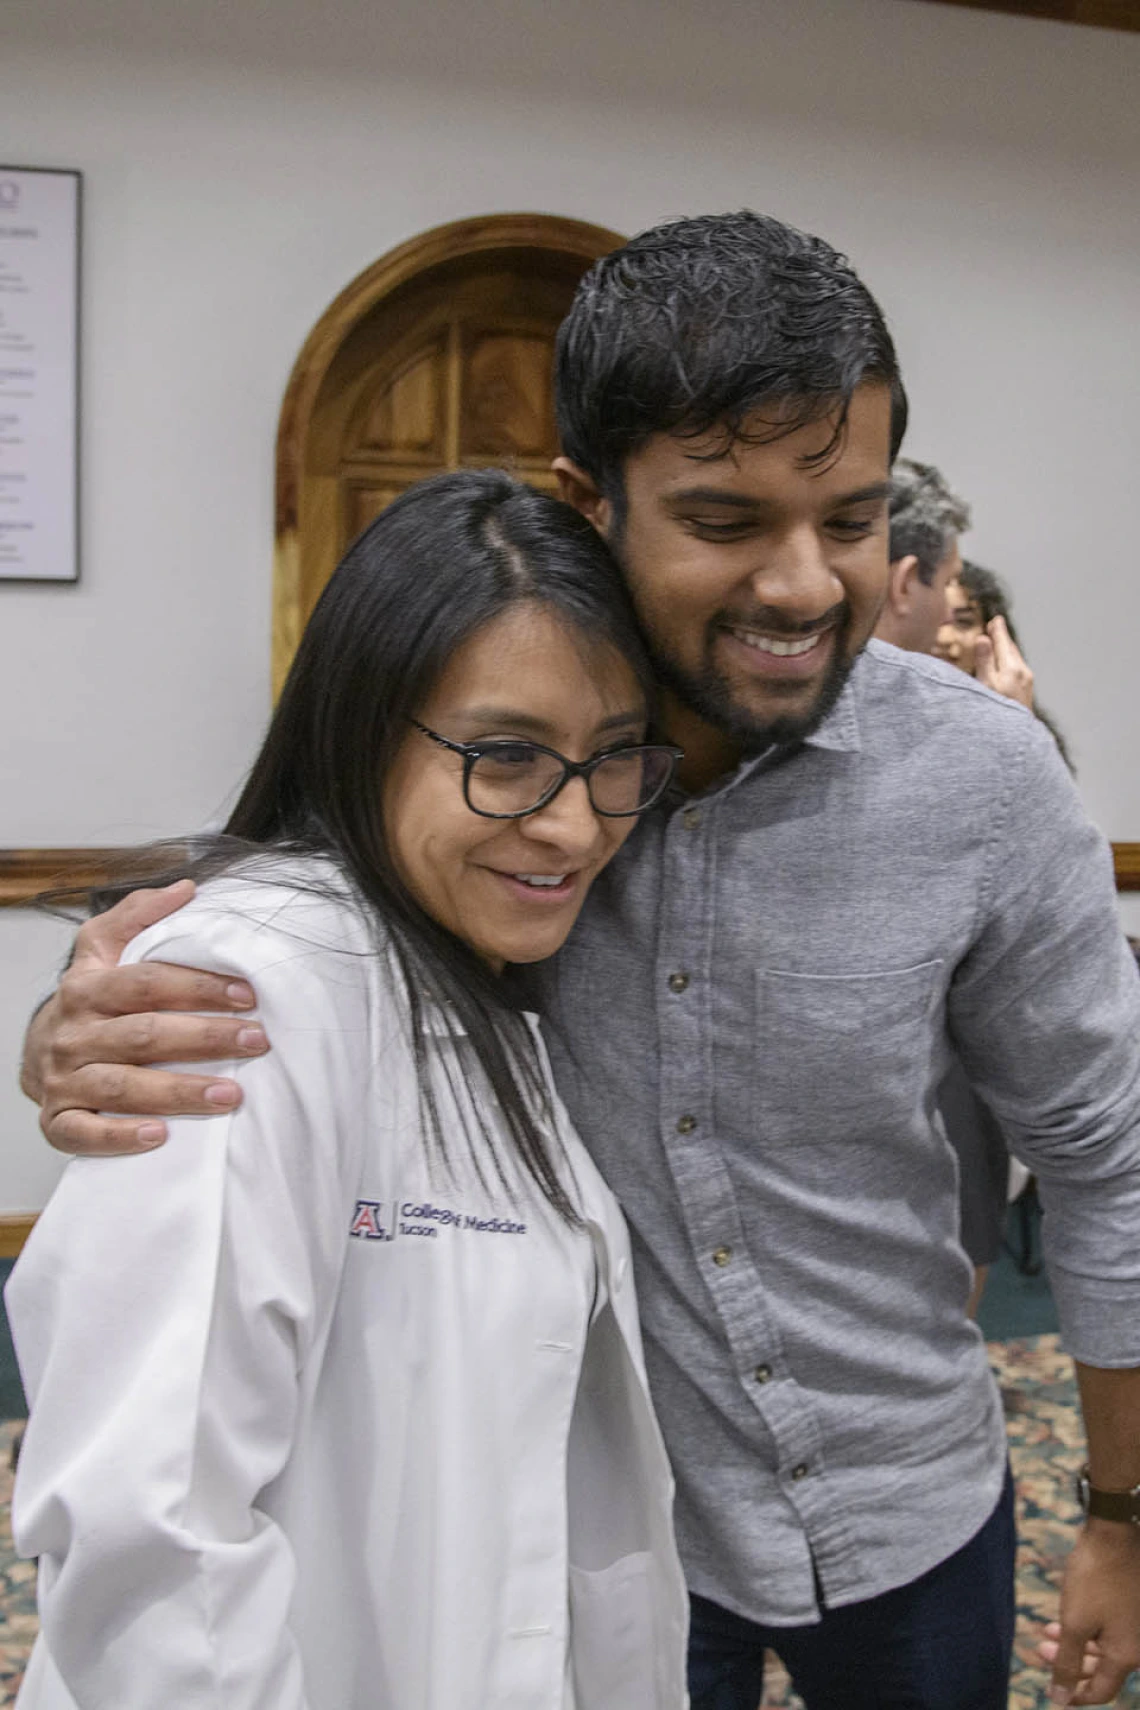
39	374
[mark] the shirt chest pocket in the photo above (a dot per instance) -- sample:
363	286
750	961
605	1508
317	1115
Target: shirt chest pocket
837	1054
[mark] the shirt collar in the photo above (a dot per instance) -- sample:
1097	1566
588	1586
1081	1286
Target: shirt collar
838	732
840	729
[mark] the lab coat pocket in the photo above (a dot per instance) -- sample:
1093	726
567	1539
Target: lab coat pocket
613	1641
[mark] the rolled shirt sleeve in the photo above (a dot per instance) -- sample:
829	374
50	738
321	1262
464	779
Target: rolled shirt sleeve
163	1313
1045	1011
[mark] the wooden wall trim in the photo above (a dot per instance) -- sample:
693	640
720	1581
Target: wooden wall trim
24	872
1102	14
14	1231
1126	860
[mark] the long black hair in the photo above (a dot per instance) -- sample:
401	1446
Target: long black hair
439	563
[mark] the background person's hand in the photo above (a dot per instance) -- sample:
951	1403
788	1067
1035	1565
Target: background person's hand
86	1050
1000	665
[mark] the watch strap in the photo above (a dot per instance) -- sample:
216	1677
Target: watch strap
1120	1505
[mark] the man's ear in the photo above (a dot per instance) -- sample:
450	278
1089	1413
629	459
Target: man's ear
903	572
577	488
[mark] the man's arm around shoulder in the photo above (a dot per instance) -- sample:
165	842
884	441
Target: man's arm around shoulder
89	1050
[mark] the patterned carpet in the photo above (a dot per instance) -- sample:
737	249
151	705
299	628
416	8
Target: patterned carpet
1046	1445
17	1583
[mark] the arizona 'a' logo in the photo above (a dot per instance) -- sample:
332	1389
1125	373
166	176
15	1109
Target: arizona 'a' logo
368	1221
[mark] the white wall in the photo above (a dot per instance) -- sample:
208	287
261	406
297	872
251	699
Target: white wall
244	160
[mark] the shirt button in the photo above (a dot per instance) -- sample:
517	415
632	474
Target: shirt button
799	1472
678	982
721	1257
686	1124
691	818
762	1374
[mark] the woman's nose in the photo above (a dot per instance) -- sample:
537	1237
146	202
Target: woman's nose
568	821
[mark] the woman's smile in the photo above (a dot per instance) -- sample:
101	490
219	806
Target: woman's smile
540	888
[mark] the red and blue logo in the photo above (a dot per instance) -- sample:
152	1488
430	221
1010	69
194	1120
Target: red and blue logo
368	1221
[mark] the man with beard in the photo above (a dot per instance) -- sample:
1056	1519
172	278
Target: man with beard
871	856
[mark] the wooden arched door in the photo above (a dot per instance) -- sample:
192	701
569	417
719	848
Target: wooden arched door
438	356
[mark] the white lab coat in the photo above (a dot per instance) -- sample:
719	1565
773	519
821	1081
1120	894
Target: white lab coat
318	1422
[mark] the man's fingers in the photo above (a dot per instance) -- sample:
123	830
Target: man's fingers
1103	1685
1047	1650
1100	1675
104	939
145	987
984	660
151	1038
83	1134
1067	1666
119	1089
90	1129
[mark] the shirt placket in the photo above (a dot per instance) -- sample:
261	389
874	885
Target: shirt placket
684	973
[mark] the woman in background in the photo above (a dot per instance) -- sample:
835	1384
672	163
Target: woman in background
337	1400
979	625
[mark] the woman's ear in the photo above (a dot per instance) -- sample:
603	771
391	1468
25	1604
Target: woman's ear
577	488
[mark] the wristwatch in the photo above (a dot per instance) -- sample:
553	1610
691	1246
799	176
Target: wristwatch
1122	1505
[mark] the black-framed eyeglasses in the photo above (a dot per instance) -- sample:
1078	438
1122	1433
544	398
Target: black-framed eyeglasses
507	779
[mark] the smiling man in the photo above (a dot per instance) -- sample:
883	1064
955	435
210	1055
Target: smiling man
872	857
869	868
754	661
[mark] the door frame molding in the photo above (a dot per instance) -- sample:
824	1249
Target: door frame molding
484	234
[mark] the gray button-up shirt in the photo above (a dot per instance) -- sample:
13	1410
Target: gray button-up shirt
748	1026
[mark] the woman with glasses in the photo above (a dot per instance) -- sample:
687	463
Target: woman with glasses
337	1399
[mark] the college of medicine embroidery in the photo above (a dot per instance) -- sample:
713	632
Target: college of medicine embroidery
411	1219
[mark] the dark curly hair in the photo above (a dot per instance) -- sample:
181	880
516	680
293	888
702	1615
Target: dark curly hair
696	325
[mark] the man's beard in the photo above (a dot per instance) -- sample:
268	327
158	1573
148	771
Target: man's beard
709	695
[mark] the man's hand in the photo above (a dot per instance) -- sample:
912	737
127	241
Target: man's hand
84	1048
998	663
1096	1643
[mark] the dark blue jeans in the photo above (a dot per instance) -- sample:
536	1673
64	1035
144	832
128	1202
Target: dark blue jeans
941	1643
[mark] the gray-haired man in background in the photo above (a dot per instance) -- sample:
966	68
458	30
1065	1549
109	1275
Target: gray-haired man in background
926	519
